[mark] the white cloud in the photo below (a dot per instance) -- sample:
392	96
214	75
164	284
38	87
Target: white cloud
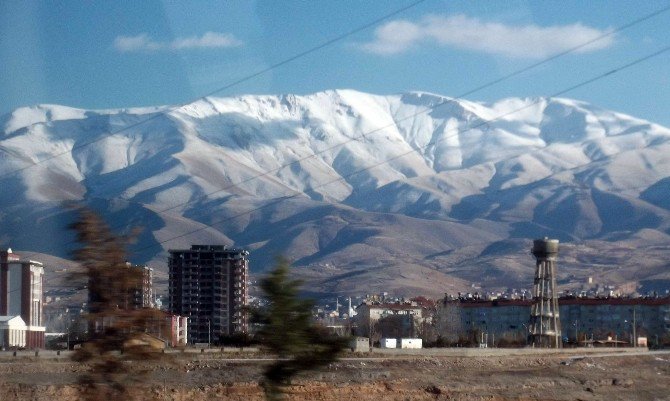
209	39
460	31
143	42
135	43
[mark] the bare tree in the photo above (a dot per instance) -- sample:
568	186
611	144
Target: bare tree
115	327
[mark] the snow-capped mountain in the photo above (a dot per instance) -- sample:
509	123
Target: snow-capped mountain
388	191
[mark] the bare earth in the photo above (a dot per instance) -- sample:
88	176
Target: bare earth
375	377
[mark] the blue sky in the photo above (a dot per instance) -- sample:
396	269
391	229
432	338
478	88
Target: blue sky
109	54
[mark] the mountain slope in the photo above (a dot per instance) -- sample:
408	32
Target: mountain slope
360	183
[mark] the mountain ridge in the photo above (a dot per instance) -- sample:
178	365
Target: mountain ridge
341	177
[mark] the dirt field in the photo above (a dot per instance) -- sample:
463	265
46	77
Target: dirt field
392	377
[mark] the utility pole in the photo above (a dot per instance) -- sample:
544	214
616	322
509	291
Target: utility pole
69	327
634	330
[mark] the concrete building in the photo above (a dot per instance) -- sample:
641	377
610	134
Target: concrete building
178	330
411	343
359	344
584	320
208	284
144	293
21	293
12	332
169	328
388	320
618	318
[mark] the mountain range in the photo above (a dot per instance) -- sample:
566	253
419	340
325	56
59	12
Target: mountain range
411	193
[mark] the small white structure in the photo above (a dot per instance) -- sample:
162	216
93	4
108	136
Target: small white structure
388	343
360	344
642	341
12	332
414	343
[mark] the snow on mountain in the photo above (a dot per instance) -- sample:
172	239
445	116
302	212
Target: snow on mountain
338	177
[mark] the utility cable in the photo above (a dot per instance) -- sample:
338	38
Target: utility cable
246	78
427	109
170	109
430	108
431	143
482	123
479	88
379	129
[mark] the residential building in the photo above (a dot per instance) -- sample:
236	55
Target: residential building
208	284
21	293
388	320
169	328
144	291
582	319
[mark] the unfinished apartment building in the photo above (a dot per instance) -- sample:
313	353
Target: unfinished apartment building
143	291
208	284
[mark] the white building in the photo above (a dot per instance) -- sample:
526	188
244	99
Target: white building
21	292
413	343
388	320
12	332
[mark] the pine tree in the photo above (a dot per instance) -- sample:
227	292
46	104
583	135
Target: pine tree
289	332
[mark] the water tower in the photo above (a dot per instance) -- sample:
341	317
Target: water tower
545	322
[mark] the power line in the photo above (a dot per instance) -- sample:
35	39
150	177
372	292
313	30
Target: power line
482	123
433	107
169	109
491	83
374	131
432	143
246	78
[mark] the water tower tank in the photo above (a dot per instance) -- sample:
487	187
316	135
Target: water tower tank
545	323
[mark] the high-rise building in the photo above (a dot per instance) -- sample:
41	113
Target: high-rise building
21	289
208	284
143	292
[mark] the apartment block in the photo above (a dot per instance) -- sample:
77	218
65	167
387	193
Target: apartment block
583	319
208	284
143	293
21	293
393	320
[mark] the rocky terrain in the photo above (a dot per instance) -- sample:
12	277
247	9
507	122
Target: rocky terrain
414	193
499	377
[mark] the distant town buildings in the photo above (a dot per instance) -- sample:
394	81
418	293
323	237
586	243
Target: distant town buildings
208	296
208	284
21	287
584	320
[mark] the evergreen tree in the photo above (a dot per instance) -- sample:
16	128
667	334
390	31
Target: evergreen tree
289	332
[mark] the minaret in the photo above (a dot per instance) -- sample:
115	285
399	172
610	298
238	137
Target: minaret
545	322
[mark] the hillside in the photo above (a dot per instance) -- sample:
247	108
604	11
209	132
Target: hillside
413	192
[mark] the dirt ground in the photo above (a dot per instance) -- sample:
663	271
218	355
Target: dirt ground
542	377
